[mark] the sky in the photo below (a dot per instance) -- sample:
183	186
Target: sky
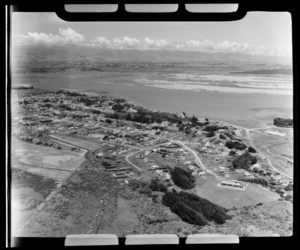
266	33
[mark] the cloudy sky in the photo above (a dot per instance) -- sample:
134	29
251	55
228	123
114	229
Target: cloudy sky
258	33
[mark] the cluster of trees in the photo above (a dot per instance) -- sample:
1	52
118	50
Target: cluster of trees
283	122
222	136
213	128
117	107
210	134
68	93
232	153
140	186
156	185
194	209
231	136
88	101
64	107
182	178
235	144
257	181
251	150
244	161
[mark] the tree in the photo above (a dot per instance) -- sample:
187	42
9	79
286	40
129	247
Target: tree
117	107
232	153
251	150
182	178
194	119
194	209
155	185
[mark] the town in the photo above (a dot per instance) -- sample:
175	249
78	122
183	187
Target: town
132	145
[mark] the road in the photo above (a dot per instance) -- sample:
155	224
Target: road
142	149
197	159
248	135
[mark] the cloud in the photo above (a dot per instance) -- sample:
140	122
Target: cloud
70	36
65	36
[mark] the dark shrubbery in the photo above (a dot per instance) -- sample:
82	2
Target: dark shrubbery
155	185
251	150
257	181
222	136
235	144
117	107
231	136
244	161
113	116
69	93
64	107
232	153
283	122
140	186
182	178
211	128
193	209
210	134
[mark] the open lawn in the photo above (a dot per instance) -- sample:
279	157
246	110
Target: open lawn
229	198
45	161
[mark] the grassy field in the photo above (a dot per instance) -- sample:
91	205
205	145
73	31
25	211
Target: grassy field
45	161
229	198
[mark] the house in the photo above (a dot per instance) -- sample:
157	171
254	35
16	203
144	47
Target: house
248	175
154	167
233	184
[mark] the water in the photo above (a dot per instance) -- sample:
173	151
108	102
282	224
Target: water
209	91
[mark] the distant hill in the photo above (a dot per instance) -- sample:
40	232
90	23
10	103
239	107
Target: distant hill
134	55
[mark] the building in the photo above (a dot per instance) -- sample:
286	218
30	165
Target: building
233	184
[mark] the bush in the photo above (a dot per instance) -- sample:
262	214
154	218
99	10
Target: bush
222	136
182	178
210	134
117	107
232	153
283	122
244	161
251	150
235	144
211	128
193	209
155	185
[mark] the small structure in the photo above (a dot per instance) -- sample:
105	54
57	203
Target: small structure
233	184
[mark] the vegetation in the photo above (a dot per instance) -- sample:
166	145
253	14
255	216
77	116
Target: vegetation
232	153
210	134
251	150
211	128
244	161
182	178
235	144
280	122
68	93
193	209
155	185
222	136
257	181
117	107
140	186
